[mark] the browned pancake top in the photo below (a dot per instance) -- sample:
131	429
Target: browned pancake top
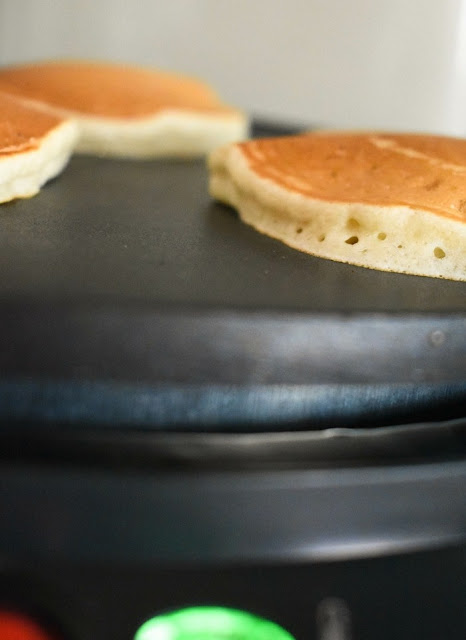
109	90
376	169
22	127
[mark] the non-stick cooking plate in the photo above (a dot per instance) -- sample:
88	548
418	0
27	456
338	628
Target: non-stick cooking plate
128	296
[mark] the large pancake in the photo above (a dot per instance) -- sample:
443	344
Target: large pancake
383	201
129	111
34	147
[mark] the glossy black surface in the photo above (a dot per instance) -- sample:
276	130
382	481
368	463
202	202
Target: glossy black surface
151	516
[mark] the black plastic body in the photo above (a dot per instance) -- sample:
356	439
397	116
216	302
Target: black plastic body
98	551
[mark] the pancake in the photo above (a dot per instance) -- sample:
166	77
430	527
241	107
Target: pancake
382	201
128	111
34	147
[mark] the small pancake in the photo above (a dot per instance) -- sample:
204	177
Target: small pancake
382	201
129	111
34	147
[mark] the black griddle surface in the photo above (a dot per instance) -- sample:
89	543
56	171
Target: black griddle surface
128	271
149	232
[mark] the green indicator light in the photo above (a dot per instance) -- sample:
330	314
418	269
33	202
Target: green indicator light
210	623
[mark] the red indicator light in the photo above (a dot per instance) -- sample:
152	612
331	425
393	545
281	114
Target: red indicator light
17	626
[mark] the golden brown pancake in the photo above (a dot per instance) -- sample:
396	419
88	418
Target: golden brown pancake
34	147
383	201
22	127
129	111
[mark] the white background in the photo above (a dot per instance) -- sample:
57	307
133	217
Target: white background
394	64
